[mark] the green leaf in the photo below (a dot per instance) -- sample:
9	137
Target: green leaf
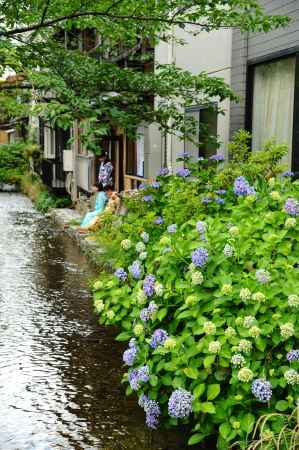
247	422
225	430
208	407
213	391
199	390
125	336
282	405
191	373
161	314
195	438
153	380
208	361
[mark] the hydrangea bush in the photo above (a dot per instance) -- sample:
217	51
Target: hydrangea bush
210	313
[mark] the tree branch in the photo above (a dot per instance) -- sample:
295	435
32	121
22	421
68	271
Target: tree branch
50	23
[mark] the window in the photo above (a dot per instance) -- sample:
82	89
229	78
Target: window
273	103
206	131
135	155
49	141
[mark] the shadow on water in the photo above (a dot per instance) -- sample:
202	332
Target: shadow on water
60	372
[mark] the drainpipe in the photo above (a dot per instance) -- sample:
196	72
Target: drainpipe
169	137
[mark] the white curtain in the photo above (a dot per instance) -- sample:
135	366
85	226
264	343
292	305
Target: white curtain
273	104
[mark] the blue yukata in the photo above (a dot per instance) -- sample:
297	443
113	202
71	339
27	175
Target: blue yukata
101	200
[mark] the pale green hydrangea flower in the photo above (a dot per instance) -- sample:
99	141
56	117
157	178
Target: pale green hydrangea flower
214	347
245	346
293	301
110	314
126	244
258	297
254	332
245	294
230	332
170	343
291	376
196	278
245	375
138	329
209	328
287	330
226	289
248	321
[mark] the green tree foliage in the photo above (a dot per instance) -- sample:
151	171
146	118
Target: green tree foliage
105	80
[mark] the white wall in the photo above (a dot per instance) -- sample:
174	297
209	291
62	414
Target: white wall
206	52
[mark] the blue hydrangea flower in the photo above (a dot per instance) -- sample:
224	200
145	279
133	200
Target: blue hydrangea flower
292	206
200	256
158	338
206	200
148	313
220	192
156	185
293	355
184	173
136	376
262	390
184	155
242	187
121	274
288	173
217	157
136	270
129	356
149	285
201	227
158	220
148	198
151	409
220	200
180	404
141	186
163	172
172	228
145	236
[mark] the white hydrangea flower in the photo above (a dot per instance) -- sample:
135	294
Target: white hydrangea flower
230	332
140	247
291	376
99	306
244	346
238	360
214	347
291	222
159	289
245	294
245	375
228	250
258	297
209	328
293	301
248	321
254	331
126	244
110	314
226	289
143	256
197	278
287	330
138	329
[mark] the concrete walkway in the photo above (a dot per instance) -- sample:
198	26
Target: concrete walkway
65	218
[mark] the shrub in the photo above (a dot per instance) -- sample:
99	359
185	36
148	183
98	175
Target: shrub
14	160
46	201
205	292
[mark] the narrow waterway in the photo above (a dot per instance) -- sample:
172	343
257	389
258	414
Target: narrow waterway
60	372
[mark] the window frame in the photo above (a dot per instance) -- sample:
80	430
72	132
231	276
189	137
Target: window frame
199	108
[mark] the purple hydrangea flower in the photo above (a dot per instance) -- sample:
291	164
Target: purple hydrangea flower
172	228
129	356
145	315
142	186
262	390
288	173
242	187
158	220
136	270
149	285
148	198
200	257
132	342
136	376
121	274
206	200
217	157
221	192
292	206
148	313
163	172
293	355
156	185
184	173
180	404
151	409
158	338
184	155
263	276
201	227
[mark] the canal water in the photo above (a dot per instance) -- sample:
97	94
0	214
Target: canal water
60	371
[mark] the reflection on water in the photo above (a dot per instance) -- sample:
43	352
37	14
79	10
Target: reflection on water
59	371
